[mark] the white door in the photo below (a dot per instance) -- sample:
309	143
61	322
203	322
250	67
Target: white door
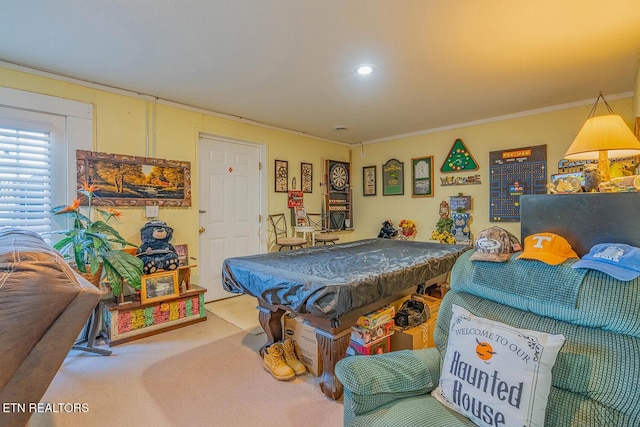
230	208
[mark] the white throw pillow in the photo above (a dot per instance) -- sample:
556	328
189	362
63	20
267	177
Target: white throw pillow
495	374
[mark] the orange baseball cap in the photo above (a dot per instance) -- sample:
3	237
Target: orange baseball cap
548	248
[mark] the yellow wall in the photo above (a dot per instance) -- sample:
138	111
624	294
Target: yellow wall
120	128
555	129
636	98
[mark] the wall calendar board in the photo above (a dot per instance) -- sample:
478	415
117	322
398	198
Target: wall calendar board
513	173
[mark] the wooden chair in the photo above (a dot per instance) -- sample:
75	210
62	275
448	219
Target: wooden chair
279	224
322	234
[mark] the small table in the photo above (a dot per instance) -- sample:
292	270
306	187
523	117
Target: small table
304	229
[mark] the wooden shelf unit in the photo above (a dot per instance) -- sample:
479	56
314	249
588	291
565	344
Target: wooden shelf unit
132	320
338	200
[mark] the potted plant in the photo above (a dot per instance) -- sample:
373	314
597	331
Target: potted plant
88	245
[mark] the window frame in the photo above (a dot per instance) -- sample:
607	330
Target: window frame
71	126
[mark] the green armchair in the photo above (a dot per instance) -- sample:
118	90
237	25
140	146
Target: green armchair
596	375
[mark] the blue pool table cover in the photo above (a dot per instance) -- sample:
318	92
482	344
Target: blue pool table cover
330	281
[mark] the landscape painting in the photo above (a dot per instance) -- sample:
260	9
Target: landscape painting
123	180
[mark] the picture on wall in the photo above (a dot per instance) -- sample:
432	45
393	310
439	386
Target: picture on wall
393	178
281	176
369	181
306	176
422	176
513	173
123	180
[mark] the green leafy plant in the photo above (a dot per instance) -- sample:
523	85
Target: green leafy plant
442	233
90	243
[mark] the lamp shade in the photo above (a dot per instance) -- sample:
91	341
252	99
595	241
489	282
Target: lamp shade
603	133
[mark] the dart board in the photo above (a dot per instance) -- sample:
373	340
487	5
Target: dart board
339	176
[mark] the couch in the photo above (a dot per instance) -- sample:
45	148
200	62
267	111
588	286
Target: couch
44	306
595	379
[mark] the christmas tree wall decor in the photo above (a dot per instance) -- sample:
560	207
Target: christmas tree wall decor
459	159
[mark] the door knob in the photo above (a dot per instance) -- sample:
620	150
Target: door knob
201	230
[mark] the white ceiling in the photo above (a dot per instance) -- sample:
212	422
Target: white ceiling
288	63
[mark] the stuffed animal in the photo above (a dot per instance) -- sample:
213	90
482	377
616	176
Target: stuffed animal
460	229
387	231
592	177
155	251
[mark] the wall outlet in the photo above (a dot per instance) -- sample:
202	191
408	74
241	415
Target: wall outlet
152	211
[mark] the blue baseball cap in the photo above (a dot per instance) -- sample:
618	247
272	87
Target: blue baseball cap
615	259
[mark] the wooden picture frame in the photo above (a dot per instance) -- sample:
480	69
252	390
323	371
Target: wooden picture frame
123	180
369	180
159	286
281	175
393	178
422	176
183	254
306	176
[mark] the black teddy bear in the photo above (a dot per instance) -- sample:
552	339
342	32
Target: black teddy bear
155	251
387	231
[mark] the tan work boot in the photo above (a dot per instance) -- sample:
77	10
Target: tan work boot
275	364
291	358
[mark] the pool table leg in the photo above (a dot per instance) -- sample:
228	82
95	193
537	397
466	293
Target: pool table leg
270	322
332	349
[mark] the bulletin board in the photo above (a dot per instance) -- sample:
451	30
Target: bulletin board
513	173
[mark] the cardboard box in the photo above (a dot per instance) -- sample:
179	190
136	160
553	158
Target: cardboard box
379	317
432	302
380	346
306	343
397	305
415	338
364	336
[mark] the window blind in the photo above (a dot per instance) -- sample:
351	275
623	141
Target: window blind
25	178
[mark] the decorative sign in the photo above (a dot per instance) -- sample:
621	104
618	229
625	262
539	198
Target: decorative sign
369	181
295	198
513	173
393	178
460	203
459	159
459	180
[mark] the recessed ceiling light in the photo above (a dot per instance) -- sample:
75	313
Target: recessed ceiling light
365	69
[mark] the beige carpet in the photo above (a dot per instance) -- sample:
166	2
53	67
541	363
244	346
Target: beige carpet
240	311
232	387
203	375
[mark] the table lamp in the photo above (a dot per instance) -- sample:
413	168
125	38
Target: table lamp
602	137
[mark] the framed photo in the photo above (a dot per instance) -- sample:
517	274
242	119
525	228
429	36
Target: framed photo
281	176
306	176
123	180
393	178
422	176
183	255
369	183
159	286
